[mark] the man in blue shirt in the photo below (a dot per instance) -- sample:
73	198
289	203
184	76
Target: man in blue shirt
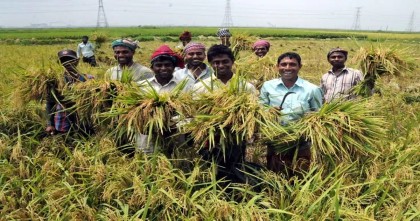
293	96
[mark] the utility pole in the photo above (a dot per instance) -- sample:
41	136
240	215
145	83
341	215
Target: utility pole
356	24
101	22
410	24
227	20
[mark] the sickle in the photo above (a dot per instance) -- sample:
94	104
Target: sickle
284	98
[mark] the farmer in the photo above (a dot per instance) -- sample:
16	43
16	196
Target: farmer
338	82
185	38
293	96
60	120
261	48
86	50
224	35
163	63
195	69
221	59
124	50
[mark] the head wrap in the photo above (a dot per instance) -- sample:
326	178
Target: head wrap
223	32
193	45
166	51
263	43
337	49
67	53
185	35
130	44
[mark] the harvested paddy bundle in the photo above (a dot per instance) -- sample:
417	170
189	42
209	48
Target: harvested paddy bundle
36	82
144	110
230	114
92	99
342	131
257	70
377	62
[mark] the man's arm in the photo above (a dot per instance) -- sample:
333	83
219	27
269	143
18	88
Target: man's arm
264	95
78	51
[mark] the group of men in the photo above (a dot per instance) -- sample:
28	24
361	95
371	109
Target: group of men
289	93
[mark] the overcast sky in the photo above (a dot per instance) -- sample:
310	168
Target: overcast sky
392	15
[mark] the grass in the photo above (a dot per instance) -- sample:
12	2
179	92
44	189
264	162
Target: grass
91	179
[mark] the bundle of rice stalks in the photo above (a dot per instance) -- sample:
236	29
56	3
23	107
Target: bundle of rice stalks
257	70
342	131
227	115
93	98
144	110
376	62
99	38
241	42
36	82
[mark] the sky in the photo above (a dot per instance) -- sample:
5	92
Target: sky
391	15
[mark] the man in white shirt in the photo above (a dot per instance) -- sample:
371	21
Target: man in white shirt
195	69
164	61
86	51
127	70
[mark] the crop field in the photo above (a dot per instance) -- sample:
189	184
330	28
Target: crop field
372	172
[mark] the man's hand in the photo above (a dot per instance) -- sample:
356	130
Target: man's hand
50	130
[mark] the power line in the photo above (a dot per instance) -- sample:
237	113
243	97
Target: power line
227	20
356	24
101	21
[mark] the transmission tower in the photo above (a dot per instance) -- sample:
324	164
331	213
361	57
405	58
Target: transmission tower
410	24
227	20
102	22
356	24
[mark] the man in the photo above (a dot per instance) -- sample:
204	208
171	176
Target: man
124	50
163	61
59	120
261	48
86	50
221	59
224	35
293	96
185	38
338	82
195	69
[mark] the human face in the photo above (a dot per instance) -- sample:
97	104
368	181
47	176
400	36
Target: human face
69	63
222	65
337	59
84	40
123	55
185	41
225	40
163	69
289	69
195	57
260	51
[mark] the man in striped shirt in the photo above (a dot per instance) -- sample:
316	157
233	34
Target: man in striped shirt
339	81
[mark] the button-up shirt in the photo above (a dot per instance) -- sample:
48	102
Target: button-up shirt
182	73
305	97
167	87
86	50
139	72
339	85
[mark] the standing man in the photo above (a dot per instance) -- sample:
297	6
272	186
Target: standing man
60	120
86	49
338	82
293	96
185	38
124	50
261	48
224	35
195	68
163	61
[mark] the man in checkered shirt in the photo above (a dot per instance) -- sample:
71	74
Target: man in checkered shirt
339	81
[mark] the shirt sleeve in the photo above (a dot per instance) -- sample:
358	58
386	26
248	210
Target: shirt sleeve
78	51
316	101
264	95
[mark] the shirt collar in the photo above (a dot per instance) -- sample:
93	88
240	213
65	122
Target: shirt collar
342	71
299	82
154	80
